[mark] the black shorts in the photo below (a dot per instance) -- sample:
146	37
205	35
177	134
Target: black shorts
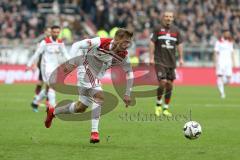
165	72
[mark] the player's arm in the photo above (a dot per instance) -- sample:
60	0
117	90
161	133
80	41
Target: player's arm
180	48
215	54
151	51
37	53
153	40
215	58
129	77
64	52
75	51
180	53
233	58
84	44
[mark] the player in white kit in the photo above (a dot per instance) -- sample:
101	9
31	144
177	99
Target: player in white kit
51	49
102	54
223	51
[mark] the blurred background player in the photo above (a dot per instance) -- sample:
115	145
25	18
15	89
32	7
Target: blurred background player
166	38
102	54
39	84
223	52
50	49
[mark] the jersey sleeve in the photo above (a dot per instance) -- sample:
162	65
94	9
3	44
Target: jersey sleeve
154	36
37	53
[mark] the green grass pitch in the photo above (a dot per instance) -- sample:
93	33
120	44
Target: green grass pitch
23	136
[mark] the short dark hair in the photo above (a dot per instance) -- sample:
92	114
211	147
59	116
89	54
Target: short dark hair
122	32
55	27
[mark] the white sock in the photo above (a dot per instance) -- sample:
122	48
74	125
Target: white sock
159	102
220	84
165	106
96	112
67	109
40	96
51	97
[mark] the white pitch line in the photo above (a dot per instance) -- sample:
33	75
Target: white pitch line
214	105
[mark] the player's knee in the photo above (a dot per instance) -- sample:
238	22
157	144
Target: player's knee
162	83
99	98
169	85
80	107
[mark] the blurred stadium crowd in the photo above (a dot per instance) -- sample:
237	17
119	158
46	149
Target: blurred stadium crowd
200	21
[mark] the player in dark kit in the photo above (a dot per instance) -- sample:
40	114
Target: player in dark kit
165	40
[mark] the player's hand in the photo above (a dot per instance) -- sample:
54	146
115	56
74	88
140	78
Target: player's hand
181	62
32	68
127	100
28	69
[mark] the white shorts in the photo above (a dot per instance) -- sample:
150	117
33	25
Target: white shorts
88	85
47	73
224	70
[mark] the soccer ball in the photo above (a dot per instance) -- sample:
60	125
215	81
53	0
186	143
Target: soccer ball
192	130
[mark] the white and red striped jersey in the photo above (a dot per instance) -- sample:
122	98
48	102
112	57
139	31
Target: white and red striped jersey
100	57
224	50
51	51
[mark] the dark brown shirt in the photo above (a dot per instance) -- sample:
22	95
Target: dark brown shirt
166	40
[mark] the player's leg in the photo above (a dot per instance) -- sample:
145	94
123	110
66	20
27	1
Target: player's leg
167	97
71	108
226	77
171	75
51	97
220	72
40	79
37	99
161	75
160	91
75	107
38	89
220	84
95	115
43	93
228	74
39	85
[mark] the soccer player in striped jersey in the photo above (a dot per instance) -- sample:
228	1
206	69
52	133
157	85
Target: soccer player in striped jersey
102	53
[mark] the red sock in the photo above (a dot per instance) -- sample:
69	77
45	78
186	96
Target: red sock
167	100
